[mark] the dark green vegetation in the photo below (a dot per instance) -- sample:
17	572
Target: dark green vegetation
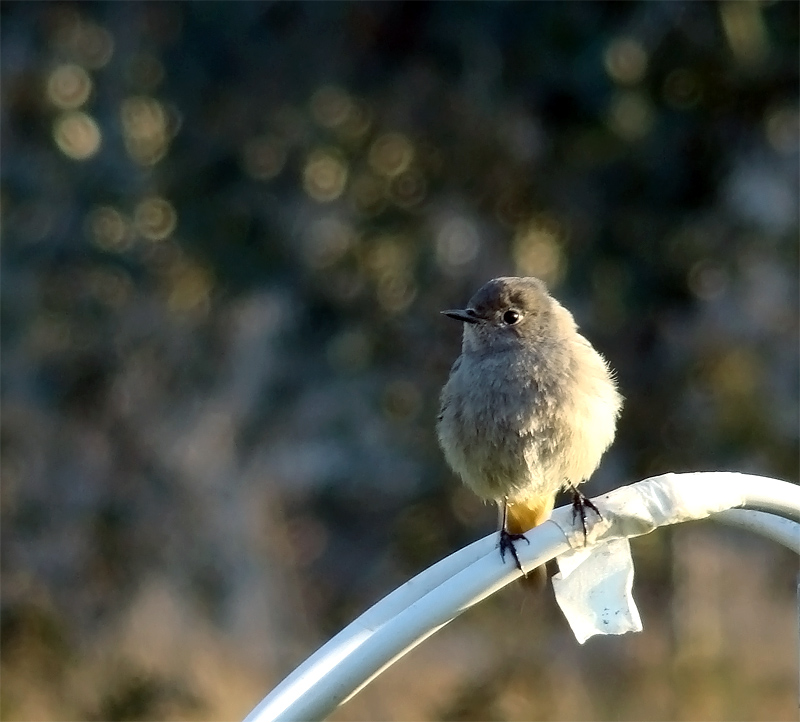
228	229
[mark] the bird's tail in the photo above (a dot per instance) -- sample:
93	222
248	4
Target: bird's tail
522	516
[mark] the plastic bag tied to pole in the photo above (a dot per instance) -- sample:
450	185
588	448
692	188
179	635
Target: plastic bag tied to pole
594	586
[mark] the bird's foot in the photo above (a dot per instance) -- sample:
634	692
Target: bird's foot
580	503
507	544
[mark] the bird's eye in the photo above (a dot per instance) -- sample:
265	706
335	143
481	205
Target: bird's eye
511	317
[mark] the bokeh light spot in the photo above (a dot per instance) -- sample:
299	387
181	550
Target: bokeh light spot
264	157
388	256
457	244
89	44
391	154
395	293
626	61
744	28
144	126
783	129
189	287
155	218
69	86
407	189
331	106
630	116
77	135
537	251
356	125
388	261
96	46
325	175
108	229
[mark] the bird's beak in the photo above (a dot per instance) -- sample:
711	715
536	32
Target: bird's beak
466	315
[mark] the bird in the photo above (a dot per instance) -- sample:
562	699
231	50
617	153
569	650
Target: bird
529	408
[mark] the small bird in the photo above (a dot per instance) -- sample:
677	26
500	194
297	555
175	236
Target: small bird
529	408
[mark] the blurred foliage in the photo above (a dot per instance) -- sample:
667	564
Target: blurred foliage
228	229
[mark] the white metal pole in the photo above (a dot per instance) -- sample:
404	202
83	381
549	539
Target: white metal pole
423	605
780	530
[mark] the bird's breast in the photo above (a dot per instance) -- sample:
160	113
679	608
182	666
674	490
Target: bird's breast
514	425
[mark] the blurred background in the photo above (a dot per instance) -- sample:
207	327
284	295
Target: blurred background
228	229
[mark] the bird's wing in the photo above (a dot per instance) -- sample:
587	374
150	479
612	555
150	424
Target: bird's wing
443	397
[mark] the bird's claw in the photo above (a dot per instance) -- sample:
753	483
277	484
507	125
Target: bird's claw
507	544
580	503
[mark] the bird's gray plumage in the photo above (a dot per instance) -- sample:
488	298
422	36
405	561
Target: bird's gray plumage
530	406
